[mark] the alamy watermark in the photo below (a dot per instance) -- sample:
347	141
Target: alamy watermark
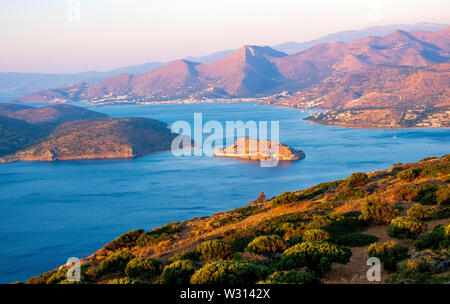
73	13
207	138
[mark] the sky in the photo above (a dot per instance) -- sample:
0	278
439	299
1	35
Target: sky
66	36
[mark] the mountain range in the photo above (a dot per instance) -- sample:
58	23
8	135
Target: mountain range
16	84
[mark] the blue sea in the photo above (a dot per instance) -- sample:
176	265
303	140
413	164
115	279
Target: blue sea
52	211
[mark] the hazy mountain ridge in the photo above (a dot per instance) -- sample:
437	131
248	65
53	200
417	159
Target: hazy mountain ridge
14	84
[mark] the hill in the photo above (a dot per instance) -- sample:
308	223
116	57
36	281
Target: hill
324	234
401	72
63	132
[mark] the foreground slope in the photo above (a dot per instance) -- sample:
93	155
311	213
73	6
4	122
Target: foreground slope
321	234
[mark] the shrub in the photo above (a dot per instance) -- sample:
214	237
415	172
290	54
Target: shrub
158	235
443	196
435	239
419	212
179	272
317	189
143	268
284	198
214	249
390	253
346	223
185	255
315	235
267	244
346	192
238	238
373	209
116	262
402	227
356	179
423	193
291	277
124	281
317	256
409	175
421	267
355	239
229	272
126	240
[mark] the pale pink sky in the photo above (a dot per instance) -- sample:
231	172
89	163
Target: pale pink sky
45	35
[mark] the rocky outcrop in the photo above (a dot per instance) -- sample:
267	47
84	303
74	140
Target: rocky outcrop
255	149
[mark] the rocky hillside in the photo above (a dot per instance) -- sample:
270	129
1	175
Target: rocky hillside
324	234
254	149
63	132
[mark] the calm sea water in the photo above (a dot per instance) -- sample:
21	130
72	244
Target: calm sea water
52	211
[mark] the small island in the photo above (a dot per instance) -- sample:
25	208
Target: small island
255	149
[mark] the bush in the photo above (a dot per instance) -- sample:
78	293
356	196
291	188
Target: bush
355	239
419	212
421	267
423	193
238	238
346	223
317	256
116	262
409	175
435	239
284	198
143	268
443	196
124	281
229	272
126	240
356	179
213	250
402	227
179	272
373	209
315	235
267	244
291	277
158	235
390	253
185	255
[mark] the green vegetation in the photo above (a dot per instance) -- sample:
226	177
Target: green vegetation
373	209
284	198
355	239
426	194
390	253
409	175
317	256
267	244
185	255
437	238
213	250
405	227
422	267
179	272
143	268
126	240
315	235
116	262
230	272
158	235
291	277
